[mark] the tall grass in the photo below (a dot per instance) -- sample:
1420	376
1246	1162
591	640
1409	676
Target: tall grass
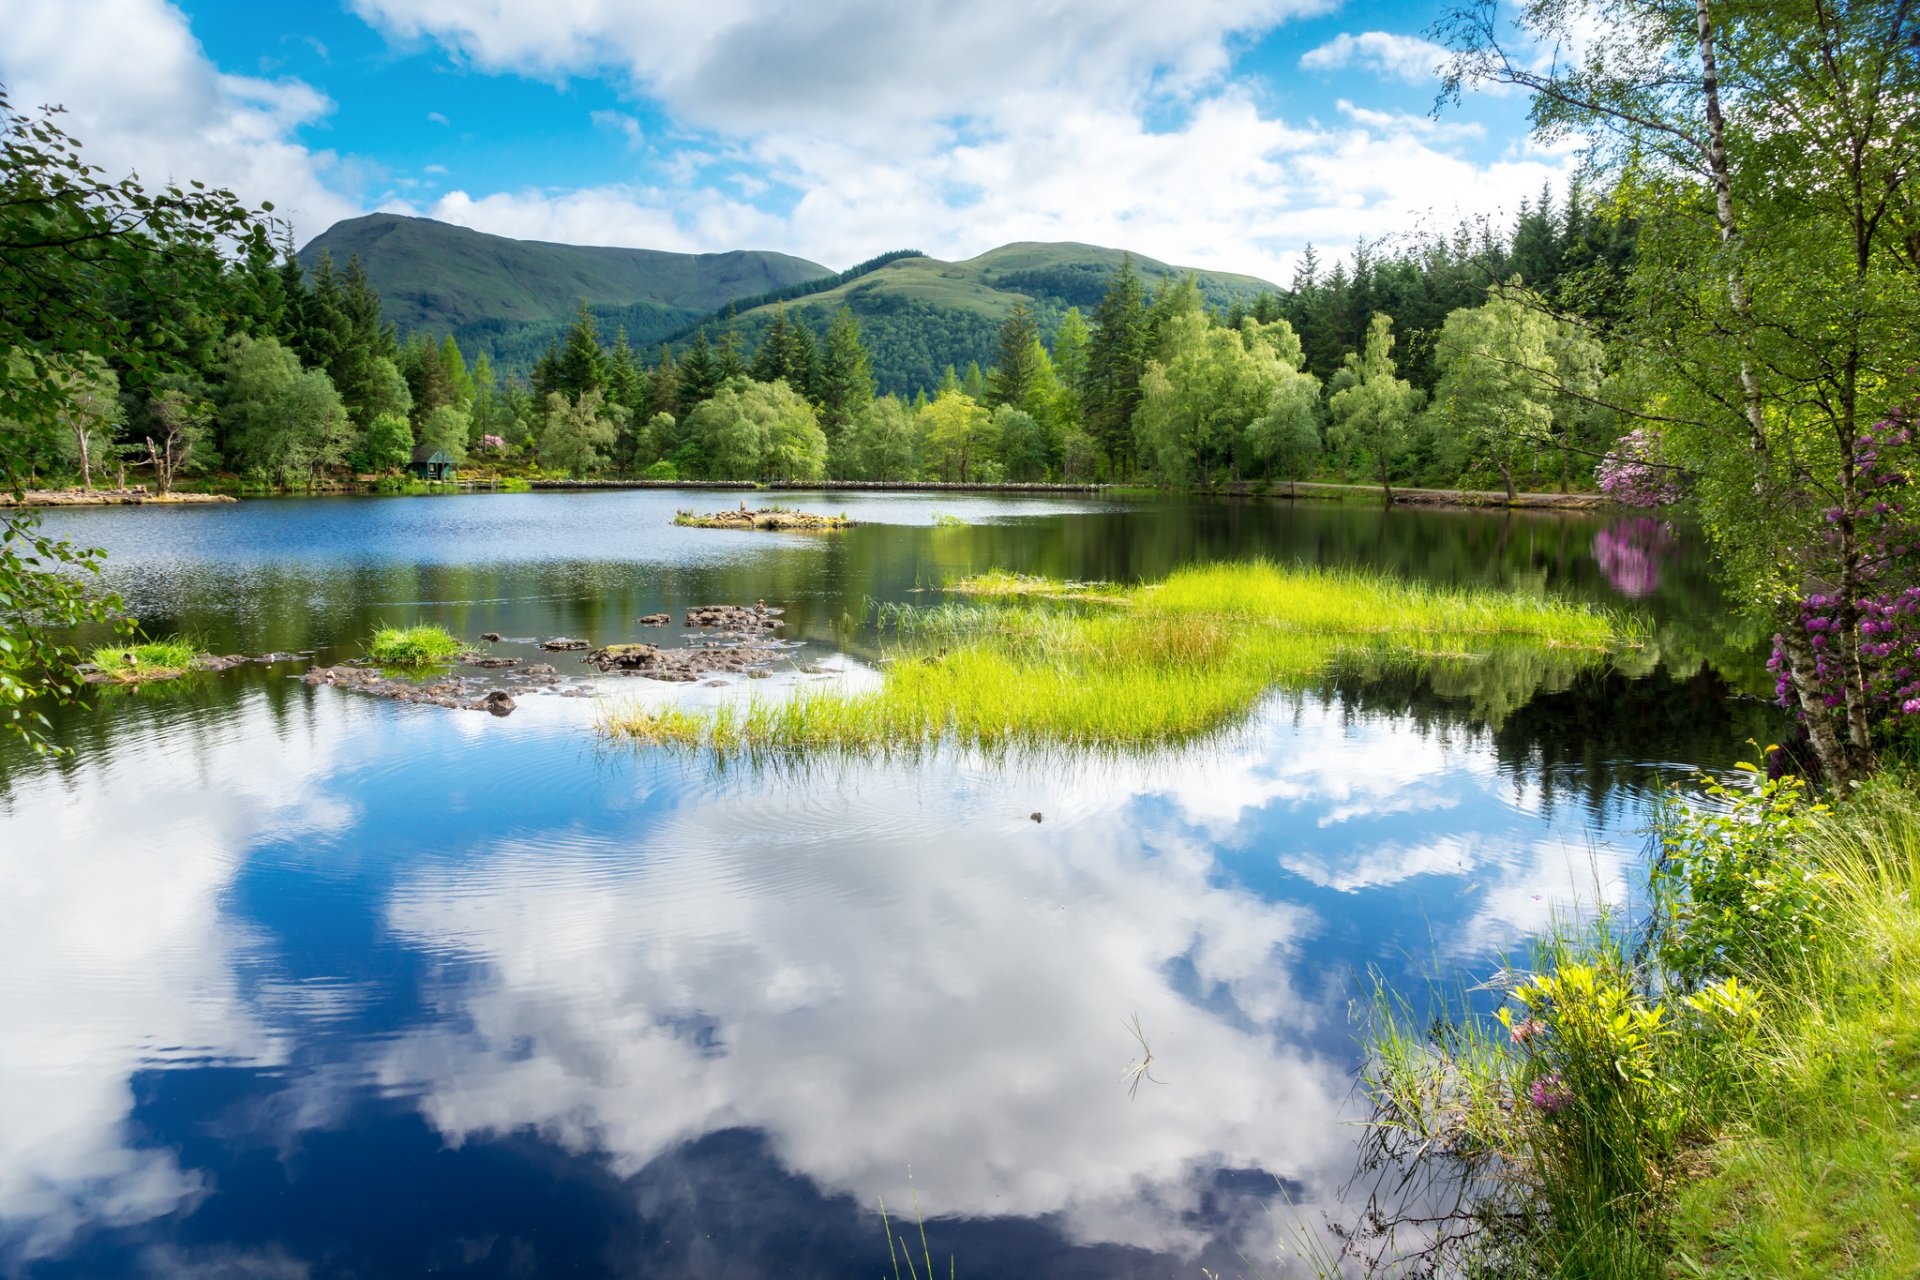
1076	665
1743	1112
416	646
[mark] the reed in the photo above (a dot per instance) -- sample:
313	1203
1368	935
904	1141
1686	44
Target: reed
1029	662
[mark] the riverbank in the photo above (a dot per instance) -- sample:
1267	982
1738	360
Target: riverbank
135	496
1737	1096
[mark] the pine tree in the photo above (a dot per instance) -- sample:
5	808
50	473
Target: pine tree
1116	357
624	375
700	374
775	358
1015	370
582	366
844	387
546	372
804	375
663	388
728	358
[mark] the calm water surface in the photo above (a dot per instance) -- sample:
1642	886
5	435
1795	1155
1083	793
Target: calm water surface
294	982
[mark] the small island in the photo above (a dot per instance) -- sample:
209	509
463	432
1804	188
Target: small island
776	519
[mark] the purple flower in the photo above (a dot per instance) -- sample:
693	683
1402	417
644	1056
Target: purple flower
1550	1094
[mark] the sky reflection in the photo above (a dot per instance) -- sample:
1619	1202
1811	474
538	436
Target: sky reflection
312	934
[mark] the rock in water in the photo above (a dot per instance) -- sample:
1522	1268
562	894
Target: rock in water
491	637
563	644
1035	815
656	620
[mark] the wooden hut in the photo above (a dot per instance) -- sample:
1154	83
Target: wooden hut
432	465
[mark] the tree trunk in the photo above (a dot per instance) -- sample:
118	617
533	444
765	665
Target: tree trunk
1834	758
1729	226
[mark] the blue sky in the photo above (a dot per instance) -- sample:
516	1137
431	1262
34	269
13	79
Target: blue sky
1202	132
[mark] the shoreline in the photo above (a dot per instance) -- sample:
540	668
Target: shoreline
1302	491
136	496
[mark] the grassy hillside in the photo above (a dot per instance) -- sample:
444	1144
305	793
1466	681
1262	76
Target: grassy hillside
511	298
919	315
486	288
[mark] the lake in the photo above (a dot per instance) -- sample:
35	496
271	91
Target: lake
295	981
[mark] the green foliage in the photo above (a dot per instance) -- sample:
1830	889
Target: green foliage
1497	373
578	434
387	444
1372	408
662	470
956	436
1739	1108
1735	891
420	645
283	423
754	430
881	443
1214	396
446	429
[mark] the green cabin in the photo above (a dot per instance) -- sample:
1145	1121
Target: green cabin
431	464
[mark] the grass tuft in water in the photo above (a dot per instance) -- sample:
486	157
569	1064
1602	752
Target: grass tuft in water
416	646
1037	663
146	660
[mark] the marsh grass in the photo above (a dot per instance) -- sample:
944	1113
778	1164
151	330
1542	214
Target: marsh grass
1626	1120
420	645
146	660
1027	662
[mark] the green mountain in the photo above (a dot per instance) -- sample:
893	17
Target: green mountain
493	293
511	298
918	314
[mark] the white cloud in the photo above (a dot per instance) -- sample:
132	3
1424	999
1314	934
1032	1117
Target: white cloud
909	991
142	95
436	117
863	68
1408	58
112	887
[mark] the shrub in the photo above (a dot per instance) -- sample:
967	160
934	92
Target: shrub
1732	892
663	470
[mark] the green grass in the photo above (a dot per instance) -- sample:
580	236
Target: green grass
1090	666
146	660
1776	1135
1818	1175
416	646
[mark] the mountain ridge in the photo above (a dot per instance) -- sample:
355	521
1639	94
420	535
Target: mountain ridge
511	298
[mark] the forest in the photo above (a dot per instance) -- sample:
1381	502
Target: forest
1474	359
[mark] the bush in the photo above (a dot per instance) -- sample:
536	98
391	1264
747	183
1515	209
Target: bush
1733	893
662	470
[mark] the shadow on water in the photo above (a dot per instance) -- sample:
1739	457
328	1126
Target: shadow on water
294	982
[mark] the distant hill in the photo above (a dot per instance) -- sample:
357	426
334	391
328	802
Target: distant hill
510	298
486	288
919	314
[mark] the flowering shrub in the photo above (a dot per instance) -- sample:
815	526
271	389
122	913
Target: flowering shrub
1630	552
1631	474
1885	647
493	444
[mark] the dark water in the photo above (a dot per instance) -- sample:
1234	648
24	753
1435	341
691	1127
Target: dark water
295	982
